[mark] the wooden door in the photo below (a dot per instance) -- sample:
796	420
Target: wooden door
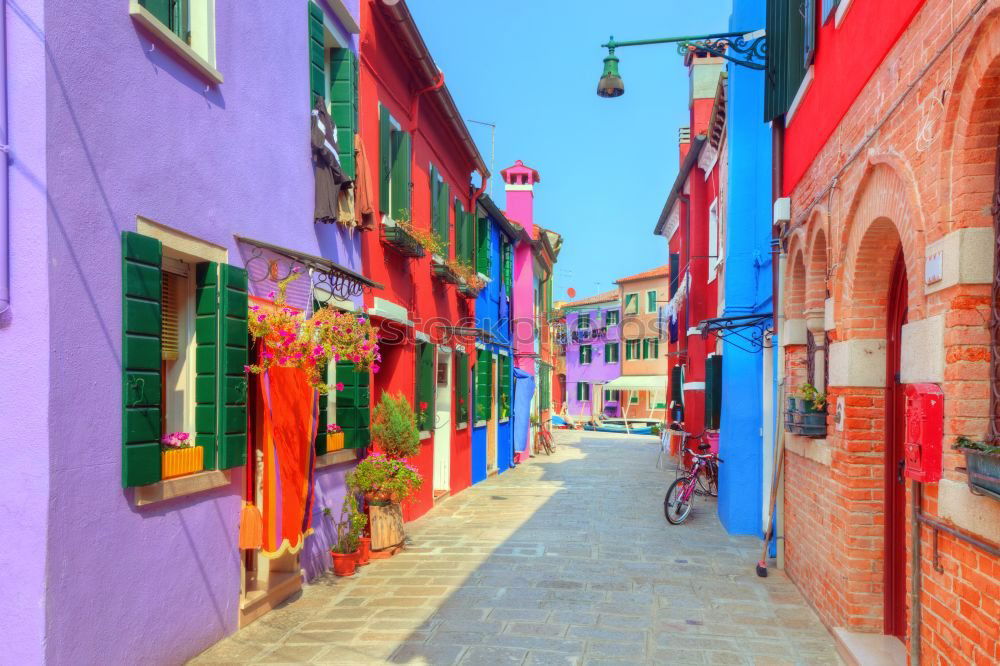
895	487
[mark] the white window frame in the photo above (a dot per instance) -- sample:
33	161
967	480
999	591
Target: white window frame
618	318
713	239
200	53
590	356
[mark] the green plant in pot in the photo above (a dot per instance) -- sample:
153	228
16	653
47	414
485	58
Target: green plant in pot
394	427
384	480
982	464
813	400
349	529
812	418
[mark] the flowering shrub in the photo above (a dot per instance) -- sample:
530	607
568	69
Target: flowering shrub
425	238
381	478
394	426
176	440
468	273
291	340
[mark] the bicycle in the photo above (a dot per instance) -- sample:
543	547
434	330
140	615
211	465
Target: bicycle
679	500
543	440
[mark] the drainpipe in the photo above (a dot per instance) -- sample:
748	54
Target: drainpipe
482	188
4	177
916	574
777	270
415	104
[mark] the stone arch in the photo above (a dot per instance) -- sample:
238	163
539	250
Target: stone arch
883	215
971	127
795	287
817	265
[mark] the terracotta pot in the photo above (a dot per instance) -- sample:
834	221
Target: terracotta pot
364	551
344	564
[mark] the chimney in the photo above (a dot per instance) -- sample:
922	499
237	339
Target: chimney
519	184
684	141
704	70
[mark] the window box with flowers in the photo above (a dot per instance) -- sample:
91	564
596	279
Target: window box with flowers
398	236
443	270
180	456
470	283
806	413
982	464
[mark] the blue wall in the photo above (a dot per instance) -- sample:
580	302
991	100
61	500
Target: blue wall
492	314
747	284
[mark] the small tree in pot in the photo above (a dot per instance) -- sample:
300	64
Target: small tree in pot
349	528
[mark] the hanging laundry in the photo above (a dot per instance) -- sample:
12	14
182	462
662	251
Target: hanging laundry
364	204
326	164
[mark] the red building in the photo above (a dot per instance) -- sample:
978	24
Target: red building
691	222
421	159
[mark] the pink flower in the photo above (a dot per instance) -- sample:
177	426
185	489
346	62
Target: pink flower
340	386
255	307
375	368
261	317
267	355
317	350
361	320
298	354
270	294
246	368
296	270
423	406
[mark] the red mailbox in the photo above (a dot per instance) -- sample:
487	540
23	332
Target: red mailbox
924	431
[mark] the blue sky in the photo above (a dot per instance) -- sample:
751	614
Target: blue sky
531	67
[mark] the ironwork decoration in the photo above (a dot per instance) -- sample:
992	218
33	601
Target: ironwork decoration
330	280
751	333
751	49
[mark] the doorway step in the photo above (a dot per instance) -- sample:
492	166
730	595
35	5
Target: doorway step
859	649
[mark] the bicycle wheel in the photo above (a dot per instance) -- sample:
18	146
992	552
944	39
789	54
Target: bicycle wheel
712	473
675	508
547	442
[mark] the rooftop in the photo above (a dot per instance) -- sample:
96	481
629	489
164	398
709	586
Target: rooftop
606	297
660	271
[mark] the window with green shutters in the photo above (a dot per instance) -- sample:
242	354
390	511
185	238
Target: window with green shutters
713	391
631	303
583	321
586	352
439	210
394	168
344	104
611	317
582	392
461	388
503	387
218	402
317	54
631	350
175	14
483	245
675	278
353	405
508	267
651	301
650	348
676	385
788	51
424	392
465	236
484	385
611	352
611	395
544	390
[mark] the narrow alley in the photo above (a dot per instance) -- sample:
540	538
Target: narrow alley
565	560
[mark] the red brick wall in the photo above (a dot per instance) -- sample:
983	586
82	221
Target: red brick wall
927	171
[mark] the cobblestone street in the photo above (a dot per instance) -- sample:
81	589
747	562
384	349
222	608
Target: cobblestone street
565	560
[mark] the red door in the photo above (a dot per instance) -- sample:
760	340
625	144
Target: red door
895	488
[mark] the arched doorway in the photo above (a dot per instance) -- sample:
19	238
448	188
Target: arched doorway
894	590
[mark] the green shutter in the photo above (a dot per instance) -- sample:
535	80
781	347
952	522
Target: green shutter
384	158
645	348
232	359
425	386
141	359
460	240
461	387
654	348
676	389
483	246
317	66
352	409
503	387
206	364
323	420
444	224
175	14
675	267
344	104
484	385
786	55
435	187
400	175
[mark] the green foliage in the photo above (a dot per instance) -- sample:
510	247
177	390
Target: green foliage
813	396
349	527
379	477
394	427
963	442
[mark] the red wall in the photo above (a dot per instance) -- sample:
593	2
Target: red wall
384	78
846	57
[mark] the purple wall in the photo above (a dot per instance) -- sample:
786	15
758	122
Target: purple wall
95	578
597	370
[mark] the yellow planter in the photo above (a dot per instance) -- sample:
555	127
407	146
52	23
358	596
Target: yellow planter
334	441
180	462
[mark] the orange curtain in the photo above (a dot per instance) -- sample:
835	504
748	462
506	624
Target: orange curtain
290	417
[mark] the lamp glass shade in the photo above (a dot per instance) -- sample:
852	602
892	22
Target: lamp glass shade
611	84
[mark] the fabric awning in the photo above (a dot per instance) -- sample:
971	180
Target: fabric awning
638	383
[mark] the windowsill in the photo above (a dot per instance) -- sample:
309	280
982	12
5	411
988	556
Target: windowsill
842	8
461	426
506	420
480	424
145	18
799	95
161	491
336	458
424	435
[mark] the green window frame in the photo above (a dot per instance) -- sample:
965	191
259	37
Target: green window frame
611	318
174	14
394	168
352	406
582	392
650	301
586	354
484	385
611	352
461	387
440	223
676	385
633	398
483	263
583	321
344	104
508	268
424	390
544	392
650	348
465	236
632	350
503	387
612	395
713	391
220	353
632	303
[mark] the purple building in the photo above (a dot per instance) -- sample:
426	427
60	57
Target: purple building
593	354
186	152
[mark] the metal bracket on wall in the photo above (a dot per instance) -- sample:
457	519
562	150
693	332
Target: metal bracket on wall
751	333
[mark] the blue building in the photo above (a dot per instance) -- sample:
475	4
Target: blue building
492	445
747	428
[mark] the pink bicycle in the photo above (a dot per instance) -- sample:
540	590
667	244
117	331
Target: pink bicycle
680	495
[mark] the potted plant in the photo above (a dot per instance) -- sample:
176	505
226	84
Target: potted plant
348	528
394	426
385	482
179	456
470	283
811	416
334	438
402	237
982	464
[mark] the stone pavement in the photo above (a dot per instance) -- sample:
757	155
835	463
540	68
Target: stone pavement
564	560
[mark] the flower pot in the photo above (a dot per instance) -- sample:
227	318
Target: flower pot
401	241
334	441
984	472
344	564
813	424
364	551
386	522
444	273
181	462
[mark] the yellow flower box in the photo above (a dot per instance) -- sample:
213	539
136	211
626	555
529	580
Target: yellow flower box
181	462
334	441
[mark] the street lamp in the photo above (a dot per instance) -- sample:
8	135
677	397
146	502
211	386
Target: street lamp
744	49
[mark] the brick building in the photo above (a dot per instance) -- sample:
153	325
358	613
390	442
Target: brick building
884	202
